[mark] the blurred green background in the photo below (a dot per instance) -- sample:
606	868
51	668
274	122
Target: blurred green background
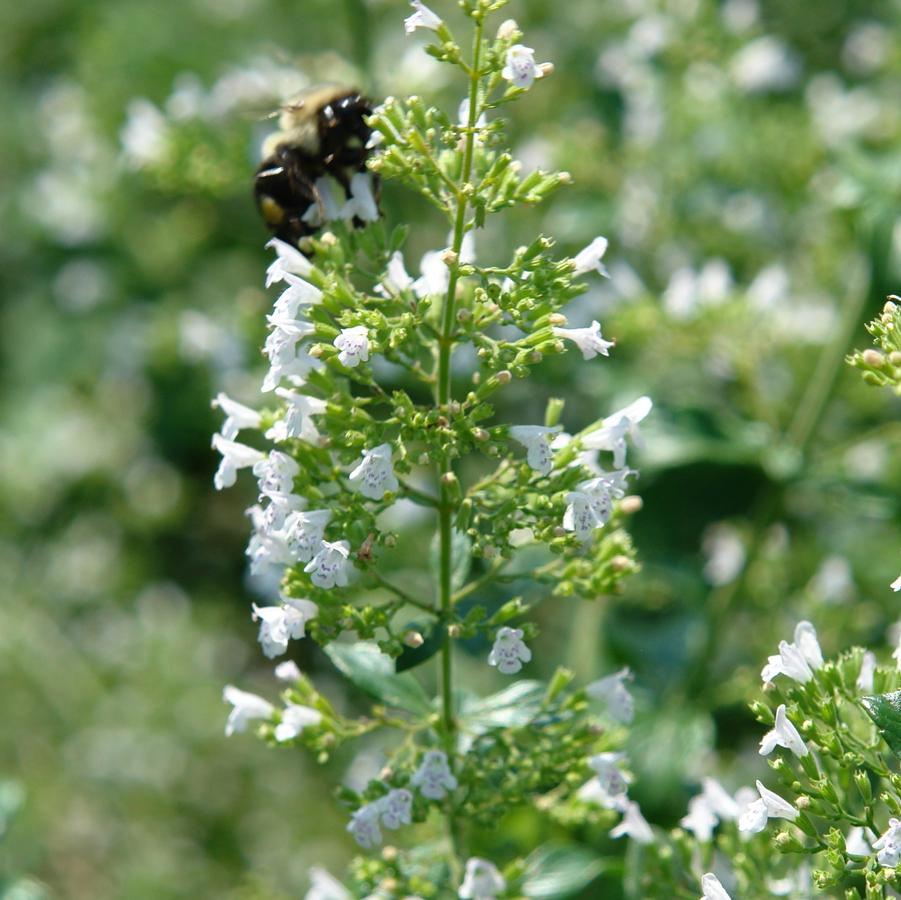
743	157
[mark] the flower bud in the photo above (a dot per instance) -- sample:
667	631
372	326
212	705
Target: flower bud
803	802
631	504
508	30
620	563
891	305
328	239
864	788
454	631
389	853
413	639
463	315
895	358
480	434
503	377
873	358
788	843
449	258
546	69
557	319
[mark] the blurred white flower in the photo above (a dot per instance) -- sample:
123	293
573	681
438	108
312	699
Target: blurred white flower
857	841
866	48
589	258
361	204
864	681
611	785
434	777
326	209
783	734
765	64
304	531
435	276
700	819
889	845
280	624
806	640
616	428
633	825
588	340
396	278
725	554
294	719
288	671
354	346
536	440
770	806
509	651
422	17
246	707
521	70
720	802
612	690
234	456
237	416
896	584
145	135
374	476
328	567
364	826
324	886
297	421
712	888
395	808
481	880
289	261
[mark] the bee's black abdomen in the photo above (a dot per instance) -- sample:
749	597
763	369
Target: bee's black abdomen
284	195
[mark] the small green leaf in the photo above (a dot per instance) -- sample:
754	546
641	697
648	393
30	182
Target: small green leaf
461	557
514	706
885	711
557	871
372	671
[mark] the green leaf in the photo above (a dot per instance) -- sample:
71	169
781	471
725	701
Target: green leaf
557	871
885	711
514	706
461	557
372	671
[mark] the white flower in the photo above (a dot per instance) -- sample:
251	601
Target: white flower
481	880
634	825
856	841
290	261
864	681
396	278
616	427
297	422
395	808
281	343
701	819
297	367
590	506
364	826
612	690
375	475
288	671
265	547
325	887
422	17
521	69
354	346
721	803
509	651
298	293
275	474
435	276
790	661
889	845
234	456
784	734
327	567
237	416
246	707
712	888
279	624
361	204
896	584
434	777
326	209
294	719
304	532
765	64
588	340
589	258
770	806
806	641
610	787
536	440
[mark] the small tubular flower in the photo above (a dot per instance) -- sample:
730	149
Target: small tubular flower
361	204
588	340
589	258
888	845
720	801
364	826
789	661
633	825
234	456
329	566
354	346
521	69
434	777
770	806
289	261
422	17
783	734
481	880
395	808
245	708
276	474
279	624
288	671
298	293
374	476
712	888
896	584
324	886
237	416
294	719
806	641
509	651
610	787
304	532
536	439
700	819
612	690
297	421
616	428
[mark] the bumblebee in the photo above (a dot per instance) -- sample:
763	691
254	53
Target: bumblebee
322	132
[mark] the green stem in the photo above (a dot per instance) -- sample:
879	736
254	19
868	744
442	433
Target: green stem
446	509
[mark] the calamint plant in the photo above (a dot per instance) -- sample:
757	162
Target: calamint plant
378	408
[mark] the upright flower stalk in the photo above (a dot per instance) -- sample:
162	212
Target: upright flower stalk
352	441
